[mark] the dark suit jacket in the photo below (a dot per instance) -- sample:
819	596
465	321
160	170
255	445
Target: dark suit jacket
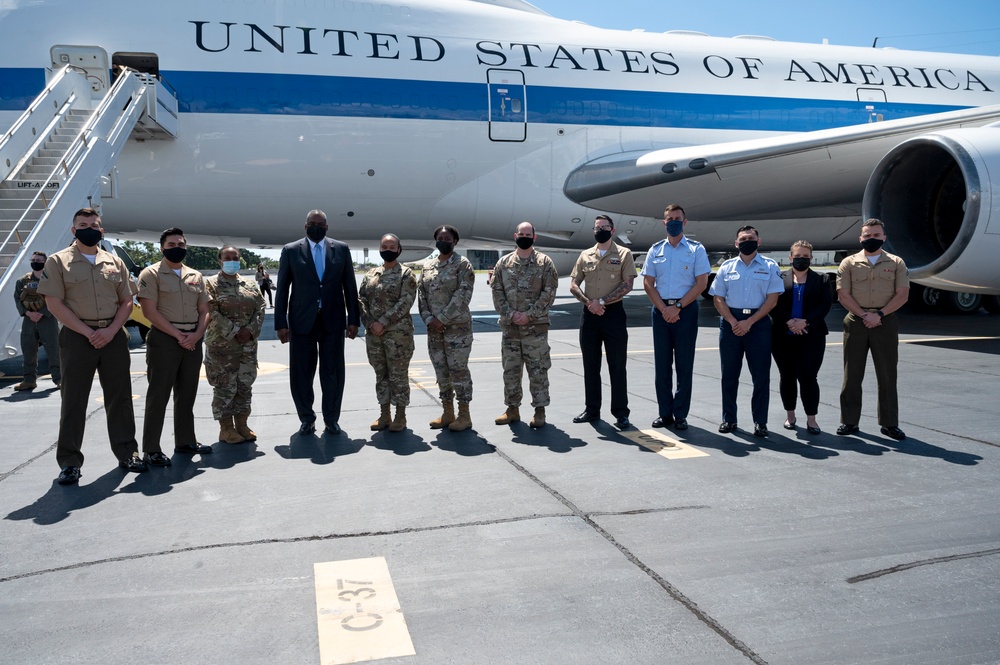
338	292
816	303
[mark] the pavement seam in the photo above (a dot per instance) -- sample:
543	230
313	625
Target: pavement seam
671	590
916	564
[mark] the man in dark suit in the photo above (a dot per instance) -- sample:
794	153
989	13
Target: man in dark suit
323	305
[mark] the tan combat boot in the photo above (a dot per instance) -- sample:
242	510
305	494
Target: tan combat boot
383	419
227	431
538	420
399	423
464	420
240	419
27	384
447	416
511	415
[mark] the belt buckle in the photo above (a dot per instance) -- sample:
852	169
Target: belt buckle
746	311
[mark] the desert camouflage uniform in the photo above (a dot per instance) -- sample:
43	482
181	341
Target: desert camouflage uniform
231	367
386	296
444	292
27	299
529	286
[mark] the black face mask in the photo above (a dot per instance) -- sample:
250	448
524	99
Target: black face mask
602	236
89	237
175	254
872	245
315	233
524	243
388	256
748	247
445	248
36	266
801	264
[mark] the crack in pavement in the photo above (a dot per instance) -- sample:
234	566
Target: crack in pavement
916	564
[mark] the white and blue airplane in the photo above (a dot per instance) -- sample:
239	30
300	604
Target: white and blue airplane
401	116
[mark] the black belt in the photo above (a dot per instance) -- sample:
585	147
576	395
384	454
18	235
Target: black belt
672	301
185	326
747	311
98	323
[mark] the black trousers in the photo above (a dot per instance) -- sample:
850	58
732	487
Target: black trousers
798	358
170	370
883	343
304	350
610	332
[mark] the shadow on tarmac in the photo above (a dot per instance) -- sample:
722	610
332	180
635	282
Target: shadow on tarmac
322	449
401	443
550	436
60	501
466	444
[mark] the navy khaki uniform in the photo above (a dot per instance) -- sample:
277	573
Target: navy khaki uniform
675	270
92	291
745	288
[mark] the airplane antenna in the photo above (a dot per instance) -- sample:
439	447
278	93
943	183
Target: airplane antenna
875	42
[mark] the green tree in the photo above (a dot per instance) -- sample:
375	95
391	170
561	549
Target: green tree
199	258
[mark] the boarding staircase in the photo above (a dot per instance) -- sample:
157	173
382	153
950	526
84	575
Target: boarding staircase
55	159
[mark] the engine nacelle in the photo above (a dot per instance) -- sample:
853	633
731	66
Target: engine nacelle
935	196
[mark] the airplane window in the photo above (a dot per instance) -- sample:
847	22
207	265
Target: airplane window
515	105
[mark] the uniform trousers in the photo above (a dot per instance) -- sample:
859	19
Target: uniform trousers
449	352
112	365
170	368
304	350
45	331
520	347
883	342
610	332
756	347
231	369
798	358
389	355
674	342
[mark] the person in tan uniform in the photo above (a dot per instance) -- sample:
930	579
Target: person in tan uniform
601	278
871	285
89	291
174	299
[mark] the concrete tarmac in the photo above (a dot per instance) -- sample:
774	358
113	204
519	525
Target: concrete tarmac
571	544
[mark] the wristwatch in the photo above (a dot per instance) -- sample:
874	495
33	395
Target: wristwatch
881	314
601	302
678	304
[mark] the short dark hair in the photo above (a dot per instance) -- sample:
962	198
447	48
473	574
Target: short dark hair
606	219
674	206
85	212
235	249
447	229
173	231
747	228
872	221
41	254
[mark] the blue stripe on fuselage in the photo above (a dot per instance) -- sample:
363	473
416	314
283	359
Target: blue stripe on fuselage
354	97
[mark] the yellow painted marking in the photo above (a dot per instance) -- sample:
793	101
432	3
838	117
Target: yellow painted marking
358	612
662	444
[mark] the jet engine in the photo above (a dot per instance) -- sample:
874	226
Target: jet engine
936	197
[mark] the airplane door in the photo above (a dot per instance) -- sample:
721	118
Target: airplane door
507	104
91	61
875	100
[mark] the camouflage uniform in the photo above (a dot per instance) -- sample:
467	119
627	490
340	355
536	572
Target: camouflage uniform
529	286
444	292
27	299
231	367
386	296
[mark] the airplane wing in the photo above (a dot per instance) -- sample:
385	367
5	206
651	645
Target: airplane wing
803	175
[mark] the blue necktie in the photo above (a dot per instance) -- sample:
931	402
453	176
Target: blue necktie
319	260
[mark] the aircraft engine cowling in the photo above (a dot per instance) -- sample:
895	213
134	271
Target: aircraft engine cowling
936	197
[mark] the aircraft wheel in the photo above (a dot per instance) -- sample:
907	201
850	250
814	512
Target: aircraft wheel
992	304
962	303
924	298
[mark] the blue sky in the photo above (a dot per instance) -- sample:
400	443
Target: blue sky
958	26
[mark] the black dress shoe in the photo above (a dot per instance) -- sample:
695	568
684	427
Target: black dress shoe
307	428
623	424
69	476
680	423
727	427
133	464
846	429
759	430
333	429
585	417
893	433
789	424
193	448
156	459
813	430
663	422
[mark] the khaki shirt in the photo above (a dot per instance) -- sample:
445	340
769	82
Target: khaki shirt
872	286
600	275
176	298
91	291
524	285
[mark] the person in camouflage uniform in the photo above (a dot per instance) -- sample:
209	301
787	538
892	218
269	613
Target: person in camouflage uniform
38	326
524	286
236	316
444	292
386	295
